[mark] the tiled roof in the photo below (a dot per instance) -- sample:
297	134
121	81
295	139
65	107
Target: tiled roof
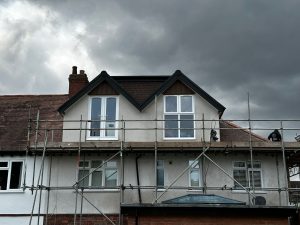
140	87
233	132
16	110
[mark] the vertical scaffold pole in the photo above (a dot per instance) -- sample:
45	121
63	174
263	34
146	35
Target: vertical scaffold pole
48	190
202	159
39	177
35	147
155	151
251	152
27	148
77	170
284	165
122	168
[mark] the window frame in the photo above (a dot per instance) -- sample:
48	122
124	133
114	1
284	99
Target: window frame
163	170
103	169
247	170
8	168
179	113
195	169
102	123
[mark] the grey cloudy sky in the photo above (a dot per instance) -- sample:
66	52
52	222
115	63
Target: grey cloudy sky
227	47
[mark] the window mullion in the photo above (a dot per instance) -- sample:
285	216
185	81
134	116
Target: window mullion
8	175
103	117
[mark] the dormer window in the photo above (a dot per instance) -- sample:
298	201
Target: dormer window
179	117
103	116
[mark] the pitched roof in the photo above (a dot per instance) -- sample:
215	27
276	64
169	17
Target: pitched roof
141	90
15	112
233	132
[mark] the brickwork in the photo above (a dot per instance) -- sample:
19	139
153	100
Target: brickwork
166	220
209	220
87	219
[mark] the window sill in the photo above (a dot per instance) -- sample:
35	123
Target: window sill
178	139
99	190
101	139
194	190
245	192
11	191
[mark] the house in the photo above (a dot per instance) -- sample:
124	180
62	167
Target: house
138	150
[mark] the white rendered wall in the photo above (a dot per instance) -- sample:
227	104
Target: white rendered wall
19	201
146	132
64	173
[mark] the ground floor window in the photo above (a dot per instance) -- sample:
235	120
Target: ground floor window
160	173
194	173
243	172
10	174
105	176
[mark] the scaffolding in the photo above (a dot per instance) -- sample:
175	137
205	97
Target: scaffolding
118	148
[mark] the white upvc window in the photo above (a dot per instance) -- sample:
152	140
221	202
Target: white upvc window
242	172
103	113
194	174
105	176
11	174
179	117
160	173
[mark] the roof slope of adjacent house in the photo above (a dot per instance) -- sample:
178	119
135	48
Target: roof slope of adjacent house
233	132
17	110
140	91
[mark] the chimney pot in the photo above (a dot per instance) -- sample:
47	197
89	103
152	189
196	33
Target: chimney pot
74	70
81	72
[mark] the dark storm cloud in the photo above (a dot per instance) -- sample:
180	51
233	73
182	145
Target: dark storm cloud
229	48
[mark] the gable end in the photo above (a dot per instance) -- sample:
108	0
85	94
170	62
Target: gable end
178	88
103	89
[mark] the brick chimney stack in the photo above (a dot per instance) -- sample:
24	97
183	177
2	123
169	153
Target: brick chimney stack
77	81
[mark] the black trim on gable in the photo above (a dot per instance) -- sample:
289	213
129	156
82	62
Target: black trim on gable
178	75
103	76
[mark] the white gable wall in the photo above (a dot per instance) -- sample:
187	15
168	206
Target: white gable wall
141	131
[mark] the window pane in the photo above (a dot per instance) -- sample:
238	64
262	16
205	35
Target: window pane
16	174
256	177
240	176
194	176
186	104
195	164
171	103
186	121
160	173
160	163
3	164
97	179
3	179
171	121
110	117
255	165
111	164
84	164
111	177
239	164
96	163
160	177
85	182
95	115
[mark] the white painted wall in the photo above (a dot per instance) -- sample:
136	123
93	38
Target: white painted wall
64	174
144	129
20	220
